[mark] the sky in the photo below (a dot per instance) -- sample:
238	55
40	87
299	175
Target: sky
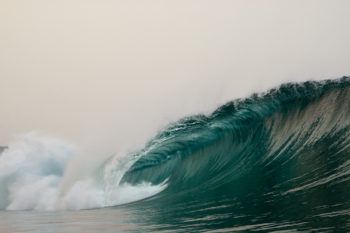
106	75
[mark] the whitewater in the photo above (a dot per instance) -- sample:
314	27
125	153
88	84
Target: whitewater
32	175
277	160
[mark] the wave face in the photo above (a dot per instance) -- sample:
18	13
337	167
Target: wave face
275	161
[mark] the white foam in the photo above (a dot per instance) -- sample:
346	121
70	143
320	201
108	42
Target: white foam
33	168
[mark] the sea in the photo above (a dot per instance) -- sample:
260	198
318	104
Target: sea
277	161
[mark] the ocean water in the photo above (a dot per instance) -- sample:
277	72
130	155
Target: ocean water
276	161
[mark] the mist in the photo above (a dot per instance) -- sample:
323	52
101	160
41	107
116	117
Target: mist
107	75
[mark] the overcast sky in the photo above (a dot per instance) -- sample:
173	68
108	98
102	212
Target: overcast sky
105	74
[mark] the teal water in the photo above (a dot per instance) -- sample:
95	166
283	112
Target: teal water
277	161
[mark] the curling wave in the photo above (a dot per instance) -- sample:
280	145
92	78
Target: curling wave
281	158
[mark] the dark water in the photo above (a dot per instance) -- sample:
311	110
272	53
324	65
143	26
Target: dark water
278	161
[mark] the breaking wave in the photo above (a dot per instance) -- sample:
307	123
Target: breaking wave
274	158
33	173
281	156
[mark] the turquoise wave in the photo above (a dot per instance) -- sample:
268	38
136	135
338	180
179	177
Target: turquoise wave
279	160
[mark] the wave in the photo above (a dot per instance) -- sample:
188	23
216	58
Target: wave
276	127
275	156
284	154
